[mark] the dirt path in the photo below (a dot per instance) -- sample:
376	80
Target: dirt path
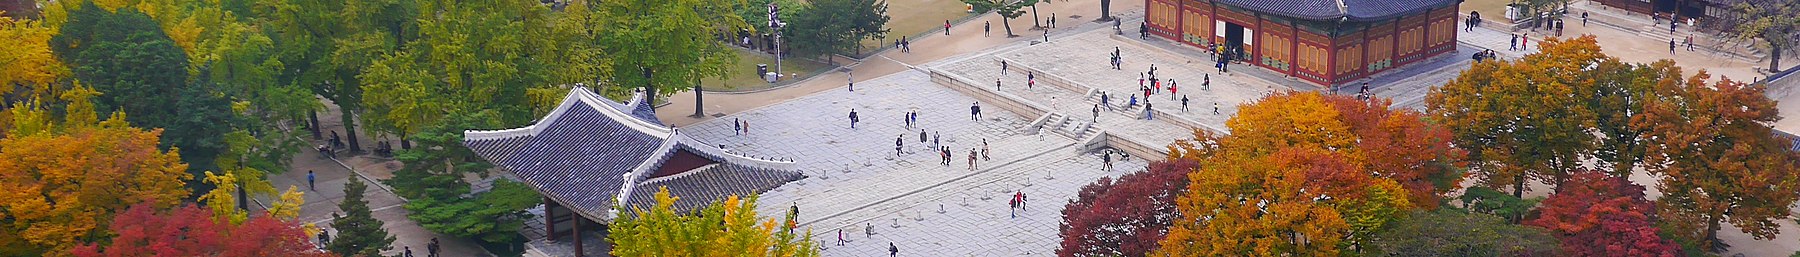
964	38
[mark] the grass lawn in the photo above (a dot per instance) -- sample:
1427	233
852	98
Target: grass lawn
743	77
910	17
1491	10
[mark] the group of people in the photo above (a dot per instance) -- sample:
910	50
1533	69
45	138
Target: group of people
431	249
1017	203
1689	41
1484	55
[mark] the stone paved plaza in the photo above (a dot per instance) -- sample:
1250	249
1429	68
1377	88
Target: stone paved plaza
856	180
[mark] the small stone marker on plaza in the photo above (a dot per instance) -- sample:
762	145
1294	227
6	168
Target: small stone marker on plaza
590	155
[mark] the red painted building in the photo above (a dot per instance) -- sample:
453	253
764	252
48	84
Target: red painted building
1327	42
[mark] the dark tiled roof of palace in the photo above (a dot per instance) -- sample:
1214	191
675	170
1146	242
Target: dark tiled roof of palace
1354	10
579	154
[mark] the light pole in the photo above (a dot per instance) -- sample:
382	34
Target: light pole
776	24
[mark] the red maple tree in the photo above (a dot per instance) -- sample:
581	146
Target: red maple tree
193	231
1124	217
1595	214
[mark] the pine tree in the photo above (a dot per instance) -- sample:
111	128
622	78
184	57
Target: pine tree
358	232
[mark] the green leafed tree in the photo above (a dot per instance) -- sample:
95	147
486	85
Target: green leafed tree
139	70
665	46
1007	9
1449	232
358	232
829	27
725	228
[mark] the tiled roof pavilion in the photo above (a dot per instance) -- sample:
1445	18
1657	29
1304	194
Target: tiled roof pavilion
1352	10
591	153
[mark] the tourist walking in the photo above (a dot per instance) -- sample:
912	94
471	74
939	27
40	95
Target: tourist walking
1524	43
975	111
972	154
1096	113
309	181
1184	103
1671	46
853	119
1172	91
1103	100
987	28
984	151
946	27
899	142
1205	82
1148	113
737	128
1002	67
1030	80
1584	19
1513	44
431	249
892	250
1215	108
906	119
1106	161
406	251
840	241
1690	42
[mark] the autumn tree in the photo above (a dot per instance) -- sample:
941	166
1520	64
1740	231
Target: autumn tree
194	231
1525	119
1400	145
1720	161
1125	217
26	62
358	232
1328	146
1251	207
726	228
1599	215
65	180
1451	232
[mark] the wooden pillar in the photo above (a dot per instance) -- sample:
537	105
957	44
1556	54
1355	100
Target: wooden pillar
549	218
578	252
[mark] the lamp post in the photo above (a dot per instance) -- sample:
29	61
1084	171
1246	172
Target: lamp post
775	24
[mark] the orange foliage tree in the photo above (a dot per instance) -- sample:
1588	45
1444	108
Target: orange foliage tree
1307	173
1720	160
63	183
1529	119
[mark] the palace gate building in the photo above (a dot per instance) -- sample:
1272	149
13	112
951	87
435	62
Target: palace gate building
1326	42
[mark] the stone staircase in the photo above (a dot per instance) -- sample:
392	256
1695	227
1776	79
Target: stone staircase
1069	126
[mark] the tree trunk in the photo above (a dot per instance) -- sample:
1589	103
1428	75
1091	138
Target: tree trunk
1519	186
315	123
1035	21
349	128
1774	58
403	143
649	87
1106	10
1711	237
699	104
1008	25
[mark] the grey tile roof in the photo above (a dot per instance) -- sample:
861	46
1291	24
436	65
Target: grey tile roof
579	155
1353	10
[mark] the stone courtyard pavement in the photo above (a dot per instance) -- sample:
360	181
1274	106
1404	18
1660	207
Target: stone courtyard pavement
855	180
